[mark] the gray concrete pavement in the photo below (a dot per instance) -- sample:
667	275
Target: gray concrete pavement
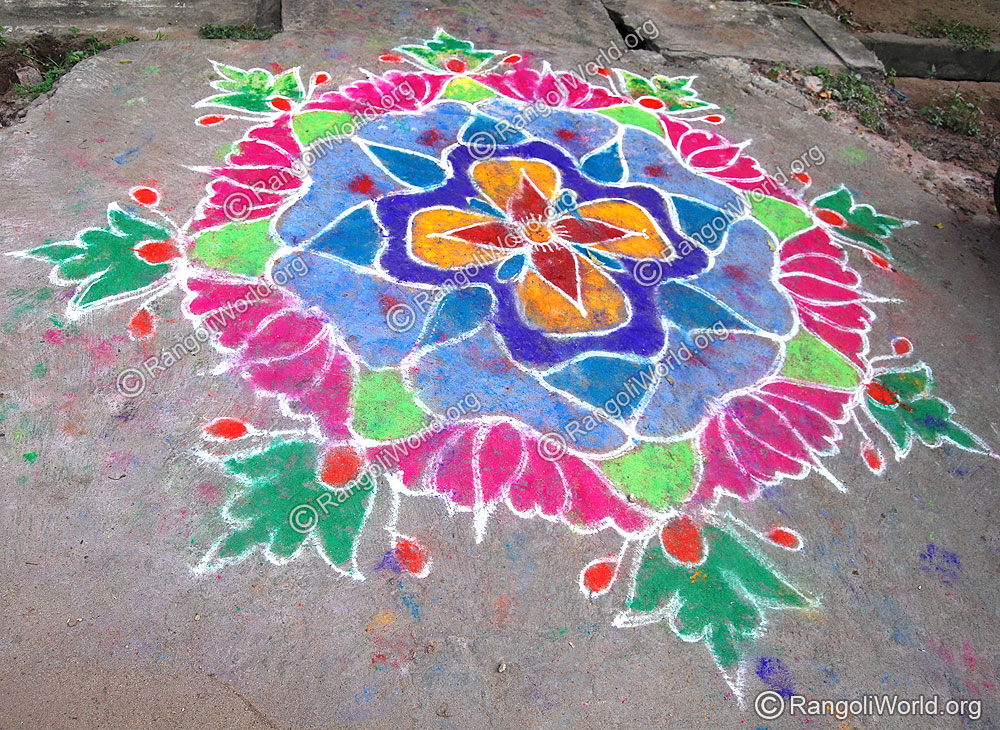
105	509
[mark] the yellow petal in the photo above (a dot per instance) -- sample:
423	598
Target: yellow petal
646	243
546	308
500	179
430	243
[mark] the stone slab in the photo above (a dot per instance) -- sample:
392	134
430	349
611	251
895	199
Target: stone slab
933	58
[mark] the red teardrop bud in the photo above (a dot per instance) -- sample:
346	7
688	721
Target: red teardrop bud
598	576
456	65
390	58
321	78
340	465
157	252
880	394
880	261
715	119
682	539
872	457
412	556
512	58
784	538
803	177
650	102
902	346
227	429
281	103
141	325
830	216
604	71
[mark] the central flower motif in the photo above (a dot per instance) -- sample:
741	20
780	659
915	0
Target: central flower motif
557	252
557	249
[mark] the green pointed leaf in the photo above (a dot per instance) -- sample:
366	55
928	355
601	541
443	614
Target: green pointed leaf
907	384
660	474
780	217
282	505
466	89
252	90
636	86
240	247
863	223
891	421
809	359
57	252
635	117
384	409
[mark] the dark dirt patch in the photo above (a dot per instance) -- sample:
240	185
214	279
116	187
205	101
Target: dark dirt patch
29	69
902	16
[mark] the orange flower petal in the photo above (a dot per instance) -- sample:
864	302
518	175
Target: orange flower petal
501	179
431	242
643	240
546	308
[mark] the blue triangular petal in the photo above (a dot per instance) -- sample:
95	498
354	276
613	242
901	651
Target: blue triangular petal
416	170
615	385
510	268
483	131
605	164
459	312
706	224
484	207
355	237
691	309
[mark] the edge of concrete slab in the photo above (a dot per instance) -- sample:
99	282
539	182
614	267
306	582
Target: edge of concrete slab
933	58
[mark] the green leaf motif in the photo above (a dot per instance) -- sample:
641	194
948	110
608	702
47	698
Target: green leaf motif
252	90
104	261
675	92
437	52
722	601
283	505
900	402
863	224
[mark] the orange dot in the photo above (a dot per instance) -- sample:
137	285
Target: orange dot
783	537
321	78
281	103
830	216
145	196
714	119
598	577
651	102
227	428
803	177
902	346
456	65
512	58
340	465
604	71
141	324
390	58
157	252
210	119
682	539
881	262
411	555
872	457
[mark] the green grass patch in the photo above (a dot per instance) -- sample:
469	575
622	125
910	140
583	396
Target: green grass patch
954	113
857	96
52	69
242	32
966	35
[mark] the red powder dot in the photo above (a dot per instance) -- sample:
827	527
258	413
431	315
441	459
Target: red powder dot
902	346
321	78
803	177
340	465
714	119
512	58
830	216
390	58
227	428
651	102
880	261
872	457
145	196
682	539
362	184
783	537
156	252
141	324
598	577
604	71
411	555
281	103
209	119
880	394
456	65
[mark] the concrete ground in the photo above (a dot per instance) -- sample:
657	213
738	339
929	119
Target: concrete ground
105	626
